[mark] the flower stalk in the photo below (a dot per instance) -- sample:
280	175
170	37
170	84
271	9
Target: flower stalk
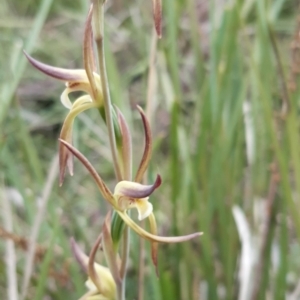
108	283
99	41
98	19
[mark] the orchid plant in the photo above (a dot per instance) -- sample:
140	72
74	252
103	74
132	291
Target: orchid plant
108	282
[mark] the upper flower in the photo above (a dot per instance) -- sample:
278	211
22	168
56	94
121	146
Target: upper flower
86	81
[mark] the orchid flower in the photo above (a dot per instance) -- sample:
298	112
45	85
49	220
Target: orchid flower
85	80
100	283
128	195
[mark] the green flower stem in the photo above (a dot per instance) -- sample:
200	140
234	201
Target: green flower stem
99	39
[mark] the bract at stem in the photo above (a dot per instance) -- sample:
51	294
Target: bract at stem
111	255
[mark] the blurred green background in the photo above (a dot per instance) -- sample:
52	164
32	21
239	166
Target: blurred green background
225	116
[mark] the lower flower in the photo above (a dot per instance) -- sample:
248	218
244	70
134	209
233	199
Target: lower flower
100	281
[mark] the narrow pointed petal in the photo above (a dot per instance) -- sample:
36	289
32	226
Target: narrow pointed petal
126	146
79	255
106	193
156	238
154	245
65	157
91	265
58	73
136	190
109	251
148	147
157	16
88	55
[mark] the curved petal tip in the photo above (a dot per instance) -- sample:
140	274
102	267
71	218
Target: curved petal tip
55	72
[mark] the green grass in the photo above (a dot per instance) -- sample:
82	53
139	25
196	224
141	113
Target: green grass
213	62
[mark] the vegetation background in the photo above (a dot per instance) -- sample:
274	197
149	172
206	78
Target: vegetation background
225	114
